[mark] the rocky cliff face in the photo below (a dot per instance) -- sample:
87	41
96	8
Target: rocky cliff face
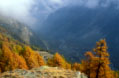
43	72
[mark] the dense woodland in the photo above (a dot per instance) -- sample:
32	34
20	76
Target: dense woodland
16	55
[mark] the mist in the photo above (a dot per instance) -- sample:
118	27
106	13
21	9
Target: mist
18	9
31	11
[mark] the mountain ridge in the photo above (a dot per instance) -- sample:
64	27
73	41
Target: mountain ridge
21	32
74	30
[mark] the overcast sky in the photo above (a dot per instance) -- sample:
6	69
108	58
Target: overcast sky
27	10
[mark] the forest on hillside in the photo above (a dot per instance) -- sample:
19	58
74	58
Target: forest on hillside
59	38
16	55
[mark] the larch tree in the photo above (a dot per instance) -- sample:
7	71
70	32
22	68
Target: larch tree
10	60
97	62
68	66
39	59
58	61
32	58
76	66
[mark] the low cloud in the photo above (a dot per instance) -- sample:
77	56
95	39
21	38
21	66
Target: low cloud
18	9
29	11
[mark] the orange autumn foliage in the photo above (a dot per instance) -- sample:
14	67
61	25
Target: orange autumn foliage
32	58
97	63
68	66
116	74
76	67
58	61
10	60
14	56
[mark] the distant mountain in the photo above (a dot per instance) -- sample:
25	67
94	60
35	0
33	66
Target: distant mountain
74	30
20	31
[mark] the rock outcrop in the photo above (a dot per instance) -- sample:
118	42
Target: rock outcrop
45	55
43	72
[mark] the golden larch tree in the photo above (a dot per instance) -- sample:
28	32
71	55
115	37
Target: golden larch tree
10	60
76	66
58	61
33	59
97	62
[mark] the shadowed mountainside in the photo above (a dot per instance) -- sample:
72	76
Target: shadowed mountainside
74	30
20	32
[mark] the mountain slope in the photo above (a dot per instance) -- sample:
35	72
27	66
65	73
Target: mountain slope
17	55
20	31
74	30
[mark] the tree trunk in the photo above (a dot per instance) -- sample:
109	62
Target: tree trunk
98	70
